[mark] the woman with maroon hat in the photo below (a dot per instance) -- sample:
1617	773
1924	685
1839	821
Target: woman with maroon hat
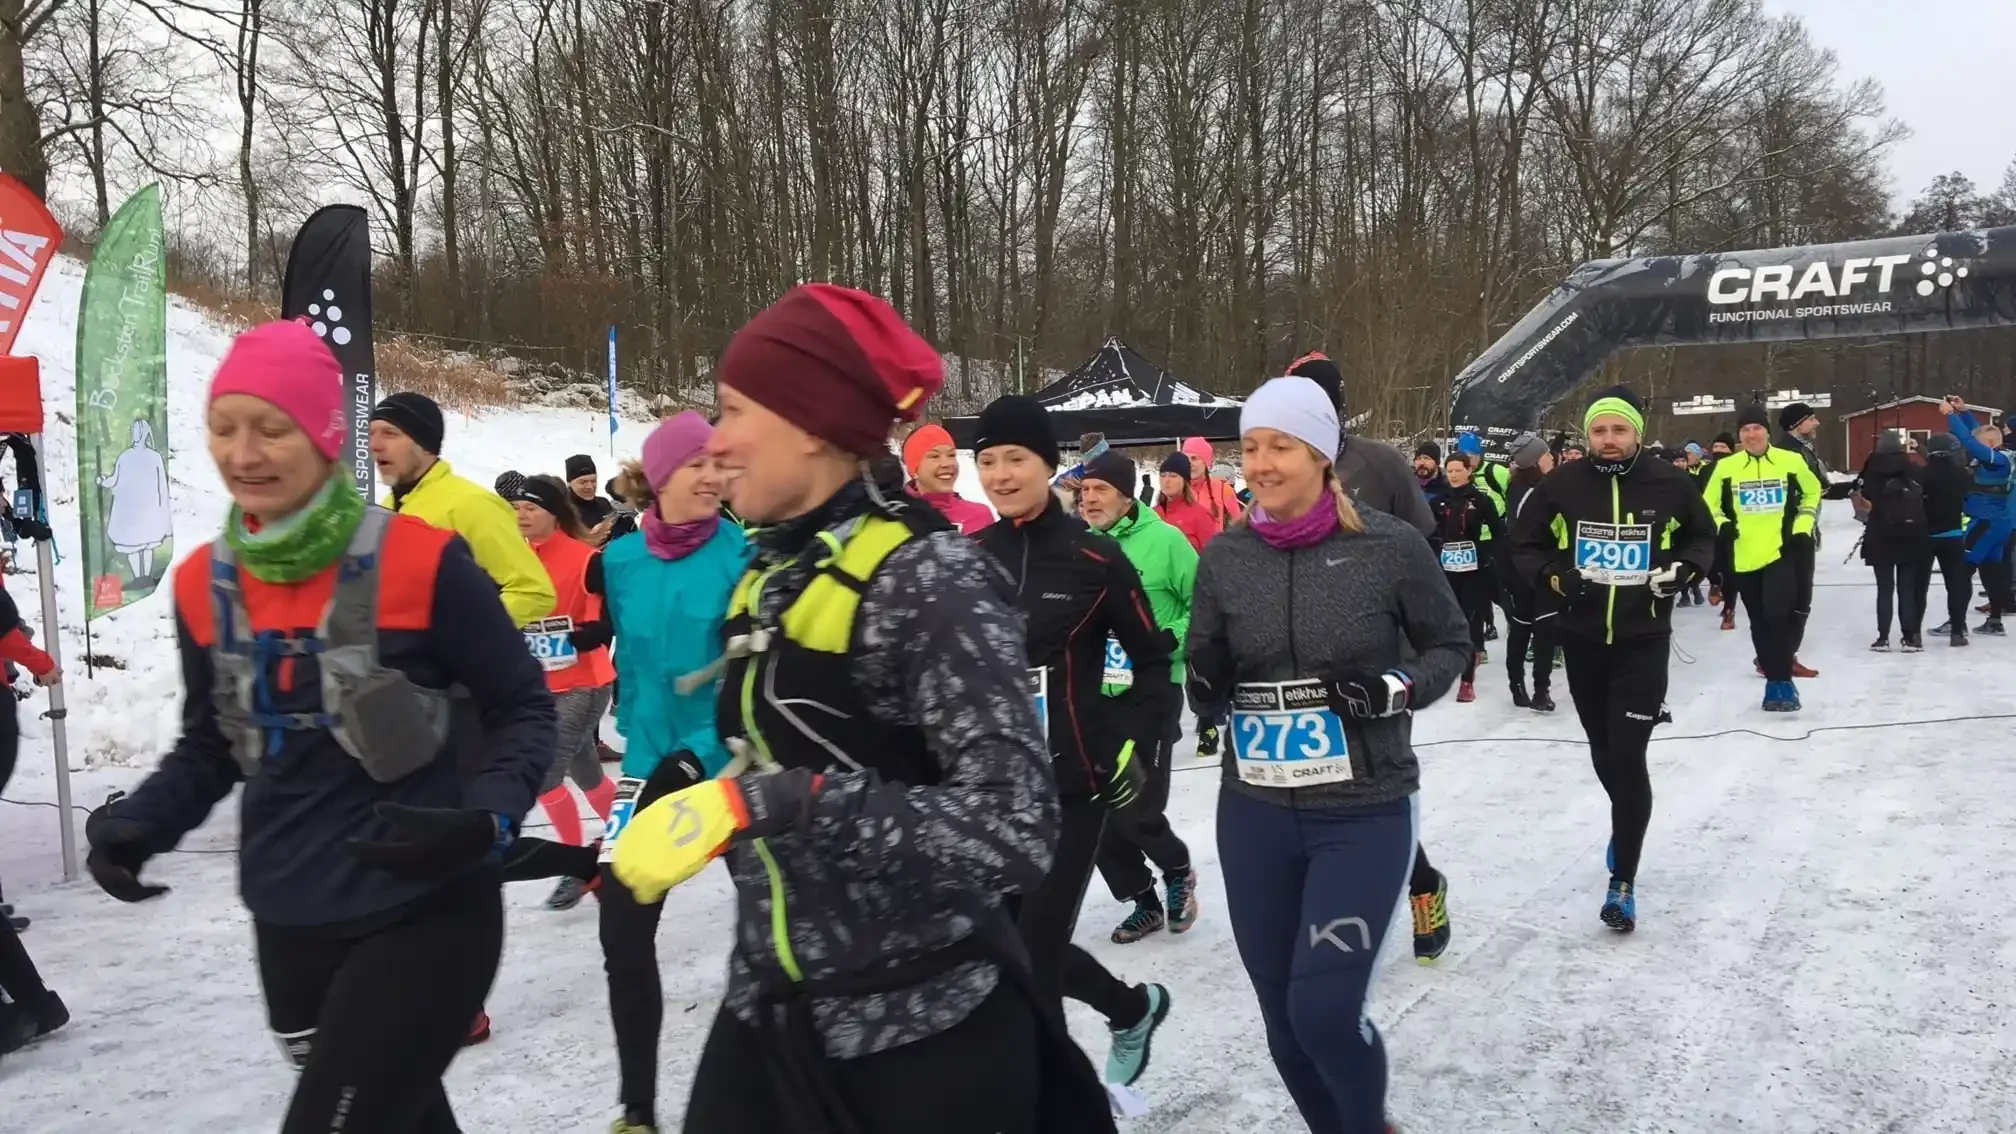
887	784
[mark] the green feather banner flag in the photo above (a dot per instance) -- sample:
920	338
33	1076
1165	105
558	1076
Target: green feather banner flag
126	522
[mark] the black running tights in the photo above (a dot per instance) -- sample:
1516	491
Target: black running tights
1518	637
1950	553
636	999
983	1076
372	1021
1767	597
1473	594
1048	914
1902	581
1618	689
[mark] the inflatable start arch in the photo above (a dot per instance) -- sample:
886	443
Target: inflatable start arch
1897	285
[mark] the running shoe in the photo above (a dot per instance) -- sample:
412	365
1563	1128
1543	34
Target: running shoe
1956	639
479	1032
1984	608
1490	631
1880	645
20	924
1714	595
1943	629
1519	698
1127	1059
1728	618
1466	693
632	1123
1146	919
567	894
1781	697
17	1027
1913	643
1484	656
1431	921
1620	907
1207	742
1542	703
1801	669
1992	628
1685	599
1182	888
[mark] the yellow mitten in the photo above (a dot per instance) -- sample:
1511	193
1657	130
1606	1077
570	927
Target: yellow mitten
671	840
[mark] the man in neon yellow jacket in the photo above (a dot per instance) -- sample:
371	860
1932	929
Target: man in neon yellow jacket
1773	501
406	432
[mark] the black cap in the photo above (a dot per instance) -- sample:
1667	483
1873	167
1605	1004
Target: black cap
1728	439
416	416
1319	369
1016	419
580	465
509	483
1178	463
1753	414
546	494
1792	415
1114	469
1430	450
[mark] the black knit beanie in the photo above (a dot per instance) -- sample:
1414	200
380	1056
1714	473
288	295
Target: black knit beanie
542	490
1320	370
416	416
580	465
1753	414
1430	450
1178	463
1114	469
1017	419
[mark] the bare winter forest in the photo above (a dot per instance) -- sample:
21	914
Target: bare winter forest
1222	183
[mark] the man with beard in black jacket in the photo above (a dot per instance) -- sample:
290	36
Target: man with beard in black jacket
1608	541
1077	589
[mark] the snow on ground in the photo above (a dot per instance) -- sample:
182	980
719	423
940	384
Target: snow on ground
141	636
1819	948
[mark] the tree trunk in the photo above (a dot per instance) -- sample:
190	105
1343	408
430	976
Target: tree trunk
20	134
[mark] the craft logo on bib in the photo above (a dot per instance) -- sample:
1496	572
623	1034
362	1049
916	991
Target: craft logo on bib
1459	555
1284	735
1119	667
620	810
1760	496
551	643
1039	689
1614	555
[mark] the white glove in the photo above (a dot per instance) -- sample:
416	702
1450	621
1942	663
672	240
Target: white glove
1666	581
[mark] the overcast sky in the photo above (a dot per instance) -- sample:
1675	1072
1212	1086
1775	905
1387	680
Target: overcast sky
1946	73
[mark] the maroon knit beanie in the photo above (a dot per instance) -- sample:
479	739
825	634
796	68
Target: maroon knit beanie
837	363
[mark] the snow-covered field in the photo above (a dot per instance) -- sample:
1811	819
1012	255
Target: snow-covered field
1819	947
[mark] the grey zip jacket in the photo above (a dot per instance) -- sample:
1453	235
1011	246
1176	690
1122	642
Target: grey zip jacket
1356	601
1380	477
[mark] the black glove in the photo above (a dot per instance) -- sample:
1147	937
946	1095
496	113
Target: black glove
1566	582
118	851
1801	542
1127	779
676	772
528	860
1363	695
431	842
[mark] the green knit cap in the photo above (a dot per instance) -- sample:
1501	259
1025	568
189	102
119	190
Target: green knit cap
1613	404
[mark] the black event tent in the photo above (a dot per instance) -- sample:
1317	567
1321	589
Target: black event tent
1129	399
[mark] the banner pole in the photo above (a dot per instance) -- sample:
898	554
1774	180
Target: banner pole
45	573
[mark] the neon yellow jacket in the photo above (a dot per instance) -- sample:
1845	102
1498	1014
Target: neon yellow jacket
1769	498
490	528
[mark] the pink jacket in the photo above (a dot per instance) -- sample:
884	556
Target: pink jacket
970	516
1190	518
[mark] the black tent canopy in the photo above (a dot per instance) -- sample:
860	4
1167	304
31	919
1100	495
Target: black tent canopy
1127	398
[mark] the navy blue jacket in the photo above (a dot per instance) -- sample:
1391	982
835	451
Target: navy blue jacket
441	623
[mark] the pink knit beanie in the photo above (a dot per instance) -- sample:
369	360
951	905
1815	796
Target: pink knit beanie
677	440
286	364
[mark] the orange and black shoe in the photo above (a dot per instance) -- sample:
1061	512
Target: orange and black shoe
1431	922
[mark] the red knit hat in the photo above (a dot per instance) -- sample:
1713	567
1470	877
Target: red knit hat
926	438
837	363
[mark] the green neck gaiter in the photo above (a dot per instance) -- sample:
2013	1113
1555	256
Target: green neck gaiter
295	547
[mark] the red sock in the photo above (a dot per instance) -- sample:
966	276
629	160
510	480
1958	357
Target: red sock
559	805
602	797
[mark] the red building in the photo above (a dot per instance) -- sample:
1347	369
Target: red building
1918	416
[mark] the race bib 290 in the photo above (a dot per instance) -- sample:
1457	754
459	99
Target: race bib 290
1615	555
1119	667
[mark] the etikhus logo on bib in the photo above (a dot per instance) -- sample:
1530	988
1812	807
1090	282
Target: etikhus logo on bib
1858	285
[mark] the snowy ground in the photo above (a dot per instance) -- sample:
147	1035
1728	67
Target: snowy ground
1818	952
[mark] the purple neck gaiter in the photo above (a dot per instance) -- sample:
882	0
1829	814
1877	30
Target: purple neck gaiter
1308	530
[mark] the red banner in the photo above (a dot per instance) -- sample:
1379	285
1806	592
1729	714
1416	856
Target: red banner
29	237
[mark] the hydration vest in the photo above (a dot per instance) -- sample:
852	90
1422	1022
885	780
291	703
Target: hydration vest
788	698
375	713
